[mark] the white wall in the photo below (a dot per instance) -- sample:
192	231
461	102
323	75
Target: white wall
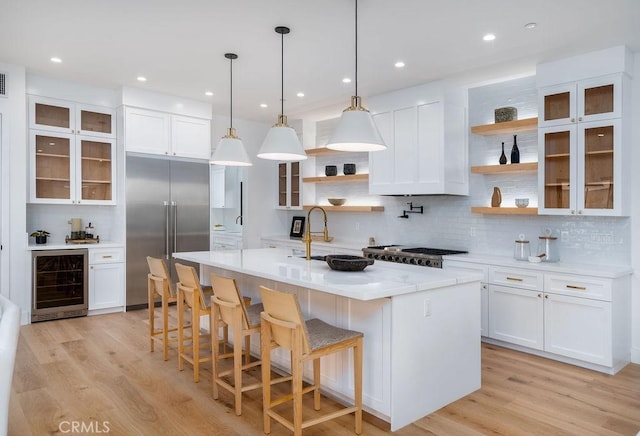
635	215
14	189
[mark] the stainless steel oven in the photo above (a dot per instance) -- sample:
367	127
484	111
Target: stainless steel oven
60	284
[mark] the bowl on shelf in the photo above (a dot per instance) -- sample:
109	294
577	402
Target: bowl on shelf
347	262
522	202
336	201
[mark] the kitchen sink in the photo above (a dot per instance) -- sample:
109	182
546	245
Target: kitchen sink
323	258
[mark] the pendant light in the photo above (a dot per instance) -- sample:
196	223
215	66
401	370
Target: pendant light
230	151
281	142
356	130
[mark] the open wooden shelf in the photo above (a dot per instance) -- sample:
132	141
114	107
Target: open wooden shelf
505	210
322	151
529	167
347	208
516	126
337	179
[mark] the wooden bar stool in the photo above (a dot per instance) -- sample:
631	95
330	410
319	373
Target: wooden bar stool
229	309
191	297
283	326
158	284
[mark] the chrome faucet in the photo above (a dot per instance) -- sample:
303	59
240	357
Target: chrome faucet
239	218
307	234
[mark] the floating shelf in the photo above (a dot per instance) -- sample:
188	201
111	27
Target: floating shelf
322	151
337	179
505	210
516	126
529	167
348	208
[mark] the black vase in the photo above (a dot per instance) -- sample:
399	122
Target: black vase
330	170
503	157
349	169
515	153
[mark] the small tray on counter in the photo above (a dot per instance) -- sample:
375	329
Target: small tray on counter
82	241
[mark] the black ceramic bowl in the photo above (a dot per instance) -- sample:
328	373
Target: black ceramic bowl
346	262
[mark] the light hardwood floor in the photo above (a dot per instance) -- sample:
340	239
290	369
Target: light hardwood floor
97	372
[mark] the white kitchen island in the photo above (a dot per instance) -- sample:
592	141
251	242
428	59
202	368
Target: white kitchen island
421	325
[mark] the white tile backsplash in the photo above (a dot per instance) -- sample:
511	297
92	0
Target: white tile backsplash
447	221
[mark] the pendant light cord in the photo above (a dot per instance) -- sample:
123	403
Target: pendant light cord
356	48
282	74
231	94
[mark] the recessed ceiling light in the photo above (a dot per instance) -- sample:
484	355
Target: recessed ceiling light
208	93
399	64
142	79
489	37
530	25
264	105
55	60
300	94
346	80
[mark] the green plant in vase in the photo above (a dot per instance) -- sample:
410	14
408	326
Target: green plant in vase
41	236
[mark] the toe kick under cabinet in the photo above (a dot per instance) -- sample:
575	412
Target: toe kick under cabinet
575	314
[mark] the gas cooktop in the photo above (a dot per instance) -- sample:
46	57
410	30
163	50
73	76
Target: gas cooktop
412	255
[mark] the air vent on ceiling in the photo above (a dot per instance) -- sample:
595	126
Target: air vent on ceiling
3	84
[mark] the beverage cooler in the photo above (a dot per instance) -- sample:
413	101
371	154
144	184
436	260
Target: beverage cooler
60	284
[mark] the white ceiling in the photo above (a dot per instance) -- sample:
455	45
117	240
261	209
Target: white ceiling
179	45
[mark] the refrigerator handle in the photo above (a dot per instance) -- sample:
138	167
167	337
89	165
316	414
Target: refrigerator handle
241	212
175	225
166	230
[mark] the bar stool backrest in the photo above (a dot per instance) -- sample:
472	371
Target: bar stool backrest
284	306
225	289
160	276
189	283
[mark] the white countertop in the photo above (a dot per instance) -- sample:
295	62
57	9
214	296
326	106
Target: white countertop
336	243
380	280
63	246
607	271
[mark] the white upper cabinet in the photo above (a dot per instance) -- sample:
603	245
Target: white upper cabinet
154	132
147	131
584	135
425	130
190	137
68	117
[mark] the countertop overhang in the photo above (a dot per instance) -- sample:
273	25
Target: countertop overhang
380	280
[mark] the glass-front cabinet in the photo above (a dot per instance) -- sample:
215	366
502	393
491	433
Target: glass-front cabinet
71	169
581	148
580	169
68	117
584	101
289	184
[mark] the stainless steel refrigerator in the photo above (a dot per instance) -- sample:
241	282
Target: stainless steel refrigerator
167	211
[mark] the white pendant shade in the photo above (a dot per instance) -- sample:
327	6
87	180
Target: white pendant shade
230	152
356	131
282	143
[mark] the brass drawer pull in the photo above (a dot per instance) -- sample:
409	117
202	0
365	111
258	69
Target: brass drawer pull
579	288
107	256
514	279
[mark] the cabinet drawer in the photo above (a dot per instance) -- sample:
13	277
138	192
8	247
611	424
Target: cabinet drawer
467	267
565	284
516	278
106	255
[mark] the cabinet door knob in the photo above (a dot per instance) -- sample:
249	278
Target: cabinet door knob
573	120
539	295
579	118
573	212
579	212
546	296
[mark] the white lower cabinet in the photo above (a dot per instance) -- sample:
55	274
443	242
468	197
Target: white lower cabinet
516	316
581	317
106	279
226	242
579	328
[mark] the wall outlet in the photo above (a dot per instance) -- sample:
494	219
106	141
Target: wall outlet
427	308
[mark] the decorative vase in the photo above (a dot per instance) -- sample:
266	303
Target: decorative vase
515	153
41	239
330	170
503	157
496	198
